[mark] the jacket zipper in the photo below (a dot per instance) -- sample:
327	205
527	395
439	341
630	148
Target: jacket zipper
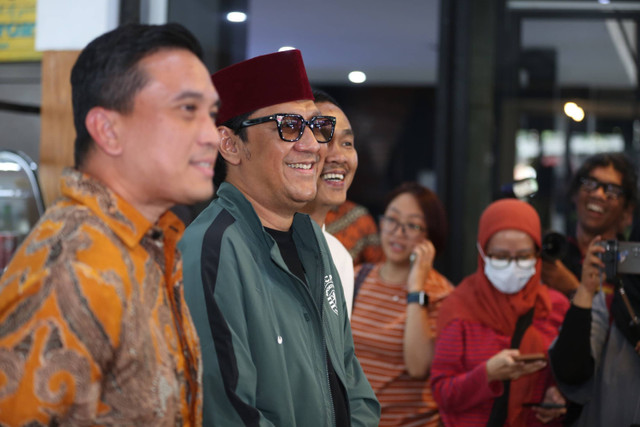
307	288
324	340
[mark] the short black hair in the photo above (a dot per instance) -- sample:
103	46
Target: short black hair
322	96
620	162
434	213
106	73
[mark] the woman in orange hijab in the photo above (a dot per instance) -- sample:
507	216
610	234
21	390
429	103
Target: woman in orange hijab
494	317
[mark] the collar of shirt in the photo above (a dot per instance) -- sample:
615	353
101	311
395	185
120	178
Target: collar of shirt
127	222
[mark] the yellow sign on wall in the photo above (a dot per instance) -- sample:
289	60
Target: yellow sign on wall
18	30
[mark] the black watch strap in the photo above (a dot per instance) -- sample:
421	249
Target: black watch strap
420	297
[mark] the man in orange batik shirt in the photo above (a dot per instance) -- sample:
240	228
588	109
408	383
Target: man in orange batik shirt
93	325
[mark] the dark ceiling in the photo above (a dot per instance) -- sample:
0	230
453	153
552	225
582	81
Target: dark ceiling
396	42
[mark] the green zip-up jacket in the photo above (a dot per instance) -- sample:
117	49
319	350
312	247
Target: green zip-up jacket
263	332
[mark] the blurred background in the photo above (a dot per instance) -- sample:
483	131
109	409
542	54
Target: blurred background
459	95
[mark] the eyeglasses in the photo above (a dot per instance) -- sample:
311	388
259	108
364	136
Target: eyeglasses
612	191
502	261
291	126
390	225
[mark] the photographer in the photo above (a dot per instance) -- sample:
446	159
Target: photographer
604	193
595	358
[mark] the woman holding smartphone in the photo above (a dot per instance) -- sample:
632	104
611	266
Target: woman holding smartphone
395	311
490	367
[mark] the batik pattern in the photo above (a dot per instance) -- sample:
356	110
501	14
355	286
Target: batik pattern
355	228
93	325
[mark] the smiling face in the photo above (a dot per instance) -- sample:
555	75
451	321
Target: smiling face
170	141
278	176
341	162
597	213
396	245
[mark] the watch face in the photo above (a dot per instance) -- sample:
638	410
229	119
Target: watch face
421	298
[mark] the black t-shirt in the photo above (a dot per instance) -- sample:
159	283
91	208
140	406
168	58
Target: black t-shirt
287	247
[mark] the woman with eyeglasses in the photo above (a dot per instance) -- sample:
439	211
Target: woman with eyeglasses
490	364
396	306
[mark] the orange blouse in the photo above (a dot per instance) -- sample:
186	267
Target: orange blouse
378	322
94	329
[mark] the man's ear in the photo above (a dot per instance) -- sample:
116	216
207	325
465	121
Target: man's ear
229	149
101	125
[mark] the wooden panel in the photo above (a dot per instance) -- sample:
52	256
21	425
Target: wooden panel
57	133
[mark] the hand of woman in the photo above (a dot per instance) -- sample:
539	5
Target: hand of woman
552	396
502	366
424	252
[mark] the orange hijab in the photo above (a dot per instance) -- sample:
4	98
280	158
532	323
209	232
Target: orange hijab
475	299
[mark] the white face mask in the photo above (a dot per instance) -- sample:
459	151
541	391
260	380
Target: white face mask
509	280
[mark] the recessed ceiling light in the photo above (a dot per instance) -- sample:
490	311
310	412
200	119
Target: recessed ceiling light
574	111
357	77
283	48
604	1
236	16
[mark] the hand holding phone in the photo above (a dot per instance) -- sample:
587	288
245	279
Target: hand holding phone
509	364
544	405
530	357
550	407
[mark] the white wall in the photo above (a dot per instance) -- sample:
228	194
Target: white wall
71	24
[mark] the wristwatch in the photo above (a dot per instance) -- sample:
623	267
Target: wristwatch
420	297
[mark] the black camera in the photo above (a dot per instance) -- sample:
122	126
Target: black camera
620	258
554	246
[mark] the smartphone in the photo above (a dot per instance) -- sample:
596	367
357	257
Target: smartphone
530	358
544	405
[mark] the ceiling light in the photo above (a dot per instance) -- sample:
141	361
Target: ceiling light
579	115
236	16
572	110
357	77
604	1
283	48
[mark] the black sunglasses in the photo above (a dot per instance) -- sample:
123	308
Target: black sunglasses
612	191
291	126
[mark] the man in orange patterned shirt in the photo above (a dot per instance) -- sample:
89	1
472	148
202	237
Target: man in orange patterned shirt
93	325
356	229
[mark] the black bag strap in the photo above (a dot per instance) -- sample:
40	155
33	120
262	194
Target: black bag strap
522	325
362	274
501	404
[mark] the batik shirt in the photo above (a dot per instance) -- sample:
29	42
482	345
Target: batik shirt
93	325
356	229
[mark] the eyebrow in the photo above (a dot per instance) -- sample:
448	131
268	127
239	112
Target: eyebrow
190	94
603	182
410	215
518	252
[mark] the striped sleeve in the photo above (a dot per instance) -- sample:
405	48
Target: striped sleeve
457	384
